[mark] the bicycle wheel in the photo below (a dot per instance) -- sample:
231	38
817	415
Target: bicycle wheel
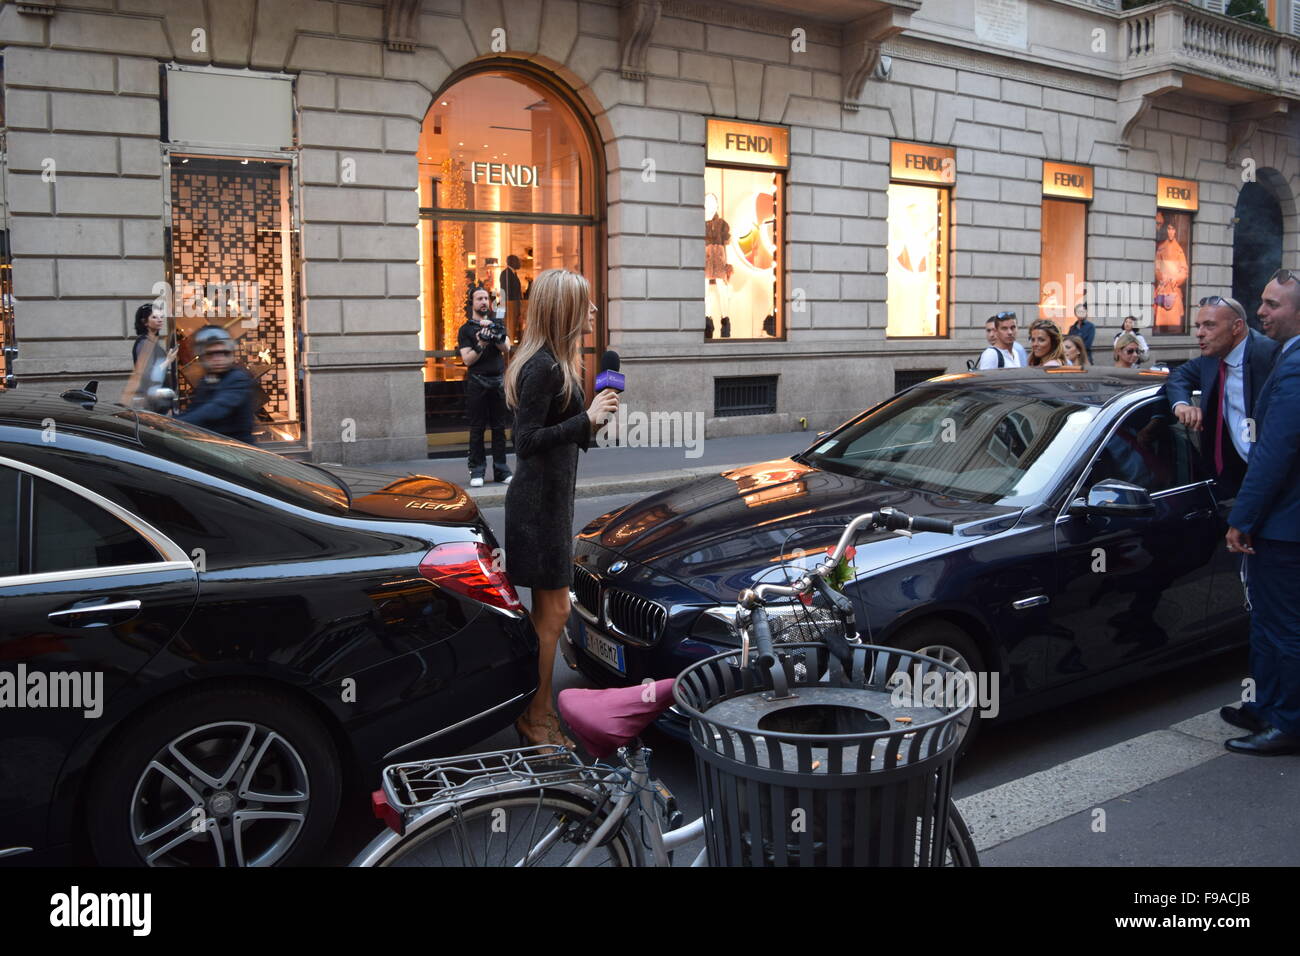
502	830
961	847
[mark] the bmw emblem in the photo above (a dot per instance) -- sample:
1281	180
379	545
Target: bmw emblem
617	566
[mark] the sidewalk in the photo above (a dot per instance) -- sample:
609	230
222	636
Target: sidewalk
1172	797
601	471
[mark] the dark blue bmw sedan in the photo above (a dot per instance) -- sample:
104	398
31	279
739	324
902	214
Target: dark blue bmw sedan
1088	551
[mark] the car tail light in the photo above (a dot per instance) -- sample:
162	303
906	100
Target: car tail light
468	568
385	811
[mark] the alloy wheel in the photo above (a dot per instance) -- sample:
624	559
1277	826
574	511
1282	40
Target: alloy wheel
232	793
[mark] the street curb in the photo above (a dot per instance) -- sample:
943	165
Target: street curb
598	487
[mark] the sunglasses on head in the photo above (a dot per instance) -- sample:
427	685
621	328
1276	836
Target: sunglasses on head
1003	315
1220	300
1283	276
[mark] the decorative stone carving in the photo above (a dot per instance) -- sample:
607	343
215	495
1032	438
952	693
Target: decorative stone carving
1136	97
636	21
39	8
1245	120
860	50
400	31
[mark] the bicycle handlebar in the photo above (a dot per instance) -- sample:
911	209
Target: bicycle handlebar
888	519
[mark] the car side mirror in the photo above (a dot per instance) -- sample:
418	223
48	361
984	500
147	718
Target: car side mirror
1114	499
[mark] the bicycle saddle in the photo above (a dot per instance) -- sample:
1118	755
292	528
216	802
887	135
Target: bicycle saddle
604	720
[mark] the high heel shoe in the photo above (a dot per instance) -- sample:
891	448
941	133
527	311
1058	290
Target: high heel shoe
550	733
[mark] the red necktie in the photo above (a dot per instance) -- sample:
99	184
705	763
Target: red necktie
1223	413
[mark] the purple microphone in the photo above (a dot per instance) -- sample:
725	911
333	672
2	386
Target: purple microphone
610	376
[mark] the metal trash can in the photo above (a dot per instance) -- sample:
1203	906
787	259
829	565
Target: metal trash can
853	768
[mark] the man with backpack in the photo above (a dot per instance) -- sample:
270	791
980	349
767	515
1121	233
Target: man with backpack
1004	351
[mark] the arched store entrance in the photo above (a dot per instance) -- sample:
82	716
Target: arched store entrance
511	184
1256	244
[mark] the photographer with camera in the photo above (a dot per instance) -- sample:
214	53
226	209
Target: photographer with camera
483	345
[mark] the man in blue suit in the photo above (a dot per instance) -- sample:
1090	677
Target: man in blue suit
1234	364
1265	525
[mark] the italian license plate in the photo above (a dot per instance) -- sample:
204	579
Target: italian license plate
606	651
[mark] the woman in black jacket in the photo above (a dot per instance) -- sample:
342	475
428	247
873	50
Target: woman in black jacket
543	386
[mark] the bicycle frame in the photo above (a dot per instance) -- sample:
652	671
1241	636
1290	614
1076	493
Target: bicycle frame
636	799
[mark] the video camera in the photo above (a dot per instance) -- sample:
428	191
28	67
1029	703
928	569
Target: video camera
496	332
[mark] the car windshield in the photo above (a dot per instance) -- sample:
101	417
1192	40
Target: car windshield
262	471
987	444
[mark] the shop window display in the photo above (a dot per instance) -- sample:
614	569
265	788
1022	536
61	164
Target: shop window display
742	257
231	263
917	275
1064	259
1173	255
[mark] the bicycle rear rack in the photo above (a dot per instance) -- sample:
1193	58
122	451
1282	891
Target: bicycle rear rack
409	786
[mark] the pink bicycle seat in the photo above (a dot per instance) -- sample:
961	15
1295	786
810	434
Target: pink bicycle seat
604	720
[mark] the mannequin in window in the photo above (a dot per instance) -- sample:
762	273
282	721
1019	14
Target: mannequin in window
1171	273
716	236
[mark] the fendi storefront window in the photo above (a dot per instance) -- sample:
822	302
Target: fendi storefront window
1067	190
508	189
232	258
233	248
744	199
920	228
1176	202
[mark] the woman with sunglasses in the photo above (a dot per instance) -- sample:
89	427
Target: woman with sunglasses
543	387
1130	324
1127	351
1045	344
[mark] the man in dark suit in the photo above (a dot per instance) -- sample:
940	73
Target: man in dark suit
1265	525
1234	364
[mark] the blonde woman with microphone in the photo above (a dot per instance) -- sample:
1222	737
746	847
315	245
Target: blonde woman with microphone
543	387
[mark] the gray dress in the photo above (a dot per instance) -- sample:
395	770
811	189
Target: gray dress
539	501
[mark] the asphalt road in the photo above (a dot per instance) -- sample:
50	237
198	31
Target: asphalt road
1005	752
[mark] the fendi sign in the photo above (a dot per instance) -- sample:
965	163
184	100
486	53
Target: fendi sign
1066	181
748	144
1176	194
918	163
503	174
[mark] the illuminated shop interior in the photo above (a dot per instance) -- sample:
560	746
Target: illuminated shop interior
506	176
231	263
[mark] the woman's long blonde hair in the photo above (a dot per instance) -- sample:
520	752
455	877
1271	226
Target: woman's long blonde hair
558	301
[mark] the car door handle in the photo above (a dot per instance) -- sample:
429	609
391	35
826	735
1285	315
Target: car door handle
1199	515
96	615
1026	603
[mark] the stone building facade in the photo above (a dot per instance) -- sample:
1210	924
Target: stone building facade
998	87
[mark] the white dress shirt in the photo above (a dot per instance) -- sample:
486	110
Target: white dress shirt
1234	398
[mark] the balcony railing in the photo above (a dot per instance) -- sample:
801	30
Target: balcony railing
1176	35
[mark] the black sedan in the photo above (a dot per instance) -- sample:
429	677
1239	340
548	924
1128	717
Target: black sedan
1089	547
203	644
